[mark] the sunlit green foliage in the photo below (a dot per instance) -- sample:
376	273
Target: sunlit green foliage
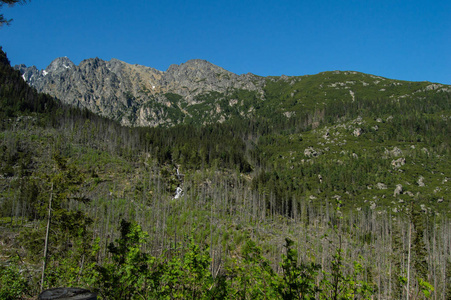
13	282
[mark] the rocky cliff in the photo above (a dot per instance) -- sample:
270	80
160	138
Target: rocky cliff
134	94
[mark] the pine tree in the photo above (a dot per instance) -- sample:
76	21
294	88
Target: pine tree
4	21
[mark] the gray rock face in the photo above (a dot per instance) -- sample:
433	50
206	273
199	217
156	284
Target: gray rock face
398	190
310	152
59	65
398	163
357	132
420	181
381	186
30	74
395	152
135	95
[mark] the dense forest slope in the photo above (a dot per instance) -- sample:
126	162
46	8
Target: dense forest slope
322	186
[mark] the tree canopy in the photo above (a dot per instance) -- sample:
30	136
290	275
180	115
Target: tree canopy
9	3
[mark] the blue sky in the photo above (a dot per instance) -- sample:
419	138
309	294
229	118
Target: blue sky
407	40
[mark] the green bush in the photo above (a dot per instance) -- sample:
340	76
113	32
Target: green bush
13	284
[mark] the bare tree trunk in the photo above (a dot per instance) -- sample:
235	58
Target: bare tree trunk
44	264
408	261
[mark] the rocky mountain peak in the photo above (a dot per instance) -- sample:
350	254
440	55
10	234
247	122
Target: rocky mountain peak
23	68
115	65
196	69
59	65
91	64
138	95
29	74
201	64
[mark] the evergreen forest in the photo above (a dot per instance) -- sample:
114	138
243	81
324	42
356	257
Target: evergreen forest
341	200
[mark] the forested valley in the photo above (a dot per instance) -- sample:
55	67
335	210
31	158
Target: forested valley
349	200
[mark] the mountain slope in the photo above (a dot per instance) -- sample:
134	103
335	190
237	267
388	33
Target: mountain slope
134	94
308	160
198	92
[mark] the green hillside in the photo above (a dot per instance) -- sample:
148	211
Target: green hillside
286	98
292	196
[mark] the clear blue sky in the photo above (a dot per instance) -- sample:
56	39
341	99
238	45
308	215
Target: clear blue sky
408	40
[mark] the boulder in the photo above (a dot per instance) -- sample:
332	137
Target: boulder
398	163
398	190
310	152
396	152
420	181
178	193
357	132
381	186
409	193
70	293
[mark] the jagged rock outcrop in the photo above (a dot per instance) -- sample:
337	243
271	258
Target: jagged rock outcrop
134	94
310	152
398	190
381	186
420	181
357	132
398	163
197	76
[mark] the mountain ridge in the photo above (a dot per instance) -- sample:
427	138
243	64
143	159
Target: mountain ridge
200	92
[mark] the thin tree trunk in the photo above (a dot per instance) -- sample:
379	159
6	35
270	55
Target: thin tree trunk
408	261
44	264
